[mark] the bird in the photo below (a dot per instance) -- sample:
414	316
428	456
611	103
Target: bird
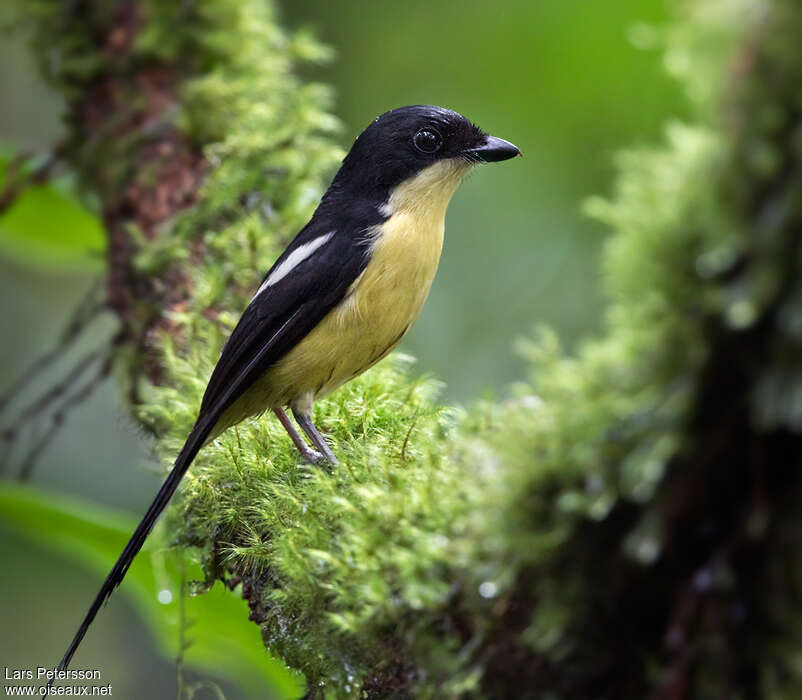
339	298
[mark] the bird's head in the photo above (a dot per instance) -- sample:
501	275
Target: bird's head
424	147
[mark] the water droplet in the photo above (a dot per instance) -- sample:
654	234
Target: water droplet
647	550
488	589
165	597
741	314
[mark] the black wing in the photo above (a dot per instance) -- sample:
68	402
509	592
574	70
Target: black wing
277	318
282	314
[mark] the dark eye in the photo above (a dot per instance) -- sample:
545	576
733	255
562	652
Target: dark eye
427	140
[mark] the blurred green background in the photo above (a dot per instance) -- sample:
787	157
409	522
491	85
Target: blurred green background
569	81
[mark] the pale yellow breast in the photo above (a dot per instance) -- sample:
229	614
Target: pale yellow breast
380	306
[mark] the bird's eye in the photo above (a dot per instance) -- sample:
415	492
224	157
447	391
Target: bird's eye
427	140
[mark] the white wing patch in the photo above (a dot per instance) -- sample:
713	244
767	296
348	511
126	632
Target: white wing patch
294	259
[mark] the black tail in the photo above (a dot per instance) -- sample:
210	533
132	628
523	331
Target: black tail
191	448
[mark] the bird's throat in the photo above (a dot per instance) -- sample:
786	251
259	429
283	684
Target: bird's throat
426	194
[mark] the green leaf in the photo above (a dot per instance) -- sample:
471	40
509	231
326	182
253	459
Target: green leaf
47	226
223	642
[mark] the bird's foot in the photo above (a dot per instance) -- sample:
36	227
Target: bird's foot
315	437
311	456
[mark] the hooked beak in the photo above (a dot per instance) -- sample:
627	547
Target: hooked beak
493	150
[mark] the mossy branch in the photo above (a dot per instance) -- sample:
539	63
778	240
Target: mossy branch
624	526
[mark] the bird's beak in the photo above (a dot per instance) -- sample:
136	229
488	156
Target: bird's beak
493	150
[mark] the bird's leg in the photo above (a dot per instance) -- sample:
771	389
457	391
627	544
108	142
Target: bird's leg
314	435
306	452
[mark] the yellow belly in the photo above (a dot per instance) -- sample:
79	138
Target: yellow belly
378	310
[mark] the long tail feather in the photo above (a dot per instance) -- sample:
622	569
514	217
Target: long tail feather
191	448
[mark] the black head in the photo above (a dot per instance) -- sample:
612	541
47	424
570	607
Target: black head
405	141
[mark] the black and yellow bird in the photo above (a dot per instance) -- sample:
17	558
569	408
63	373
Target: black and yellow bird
340	297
